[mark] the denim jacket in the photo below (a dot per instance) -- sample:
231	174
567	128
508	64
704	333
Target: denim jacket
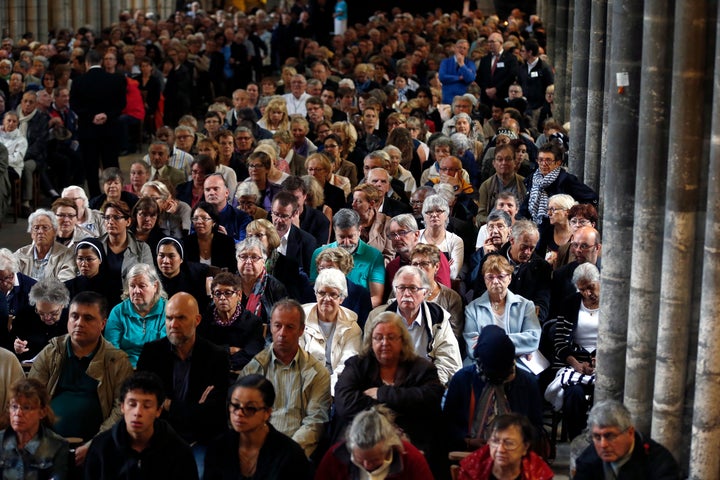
44	457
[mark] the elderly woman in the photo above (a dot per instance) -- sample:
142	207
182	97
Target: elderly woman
140	317
558	232
32	332
58	263
576	341
388	371
331	334
15	142
112	184
211	148
579	215
436	213
344	172
504	179
139	176
145	225
122	249
247	196
28	446
174	218
366	200
507	453
295	162
193	191
207	244
279	167
69	232
259	289
373	448
86	217
259	164
15	288
177	275
319	166
252	448
358	297
499	306
227	324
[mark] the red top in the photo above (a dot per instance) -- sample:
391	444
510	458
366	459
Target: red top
478	466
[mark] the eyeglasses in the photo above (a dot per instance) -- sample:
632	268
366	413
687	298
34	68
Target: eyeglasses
330	295
201	219
183	137
581	246
86	259
608	436
387	338
398	234
580	222
552	210
255	165
331	145
243	139
508	444
247	411
14	407
115	218
315	169
546	160
408	288
496	227
422	264
49	315
41	228
248	258
490	277
65	215
434	212
449	169
223	293
282	216
246	203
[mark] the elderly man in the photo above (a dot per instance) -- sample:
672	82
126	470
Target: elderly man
586	246
34	125
620	452
302	384
83	372
194	373
457	72
496	71
233	220
381	179
381	159
297	97
45	257
369	269
428	323
178	157
159	153
239	101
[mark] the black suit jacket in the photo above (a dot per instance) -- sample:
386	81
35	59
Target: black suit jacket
222	249
391	207
97	91
300	247
315	223
210	366
334	197
501	79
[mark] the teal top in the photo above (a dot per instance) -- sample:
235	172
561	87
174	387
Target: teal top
369	264
128	331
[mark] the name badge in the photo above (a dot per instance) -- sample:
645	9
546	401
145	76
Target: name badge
500	65
533	74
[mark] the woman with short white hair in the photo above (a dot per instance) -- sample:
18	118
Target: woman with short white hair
88	218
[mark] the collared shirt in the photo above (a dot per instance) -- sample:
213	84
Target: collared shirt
288	412
39	264
181	376
612	469
418	332
282	248
530	66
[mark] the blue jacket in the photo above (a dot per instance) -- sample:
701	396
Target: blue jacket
129	332
455	79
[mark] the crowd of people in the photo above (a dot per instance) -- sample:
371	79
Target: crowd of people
335	255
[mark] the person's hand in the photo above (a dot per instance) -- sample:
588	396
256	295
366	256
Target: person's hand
171	205
166	404
460	59
488	246
205	394
54	122
371	392
234	350
20	346
81	453
452	180
100	119
222	230
491	92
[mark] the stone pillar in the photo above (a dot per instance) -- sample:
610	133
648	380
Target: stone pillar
558	58
548	21
579	89
569	51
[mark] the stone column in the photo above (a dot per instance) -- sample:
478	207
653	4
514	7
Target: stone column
579	89
558	58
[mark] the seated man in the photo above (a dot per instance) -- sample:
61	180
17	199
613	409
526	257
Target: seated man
301	382
45	257
83	373
194	373
294	242
618	451
369	269
141	445
428	323
311	220
159	153
233	220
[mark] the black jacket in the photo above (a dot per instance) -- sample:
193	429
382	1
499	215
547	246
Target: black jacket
222	250
314	222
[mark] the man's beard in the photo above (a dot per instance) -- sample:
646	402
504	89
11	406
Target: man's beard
350	248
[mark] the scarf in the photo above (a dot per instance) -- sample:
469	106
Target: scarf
492	403
538	202
254	303
24	121
219	321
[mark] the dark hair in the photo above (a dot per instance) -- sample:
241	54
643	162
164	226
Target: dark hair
206	163
256	382
226	278
292	183
120	206
146	382
285	198
554	149
503	422
145	204
532	46
209	209
584	210
30	388
92	298
332	136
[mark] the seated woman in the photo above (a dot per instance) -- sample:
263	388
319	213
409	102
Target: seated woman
15	289
247	196
139	176
140	317
15	142
388	371
366	200
499	306
28	446
436	213
227	324
557	232
32	332
507	453
252	448
207	244
174	218
145	226
211	148
259	165
373	448
579	215
331	333
177	275
111	180
87	218
92	271
193	191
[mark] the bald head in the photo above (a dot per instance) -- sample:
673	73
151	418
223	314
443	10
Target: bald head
182	316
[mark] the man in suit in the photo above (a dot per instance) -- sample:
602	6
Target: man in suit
311	219
496	71
98	97
159	153
194	373
534	76
294	243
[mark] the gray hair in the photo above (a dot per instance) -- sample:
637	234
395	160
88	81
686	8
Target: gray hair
460	141
332	278
417	271
436	201
406	221
442	141
610	413
586	272
346	218
50	290
42	212
373	427
247	189
391	318
270	143
8	261
159	186
242	129
247	244
392	148
381	154
80	193
498	214
445	191
149	272
184	128
523	227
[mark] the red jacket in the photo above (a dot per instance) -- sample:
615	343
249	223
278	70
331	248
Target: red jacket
478	466
411	465
134	105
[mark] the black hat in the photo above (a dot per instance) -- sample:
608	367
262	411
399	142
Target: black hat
495	353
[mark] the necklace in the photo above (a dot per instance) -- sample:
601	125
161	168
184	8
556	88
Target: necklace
498	306
435	292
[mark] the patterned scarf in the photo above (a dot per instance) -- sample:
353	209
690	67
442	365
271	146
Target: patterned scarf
538	202
254	303
492	403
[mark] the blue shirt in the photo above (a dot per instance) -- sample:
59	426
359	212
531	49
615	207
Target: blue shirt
369	265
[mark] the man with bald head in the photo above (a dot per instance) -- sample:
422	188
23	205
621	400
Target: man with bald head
496	71
195	375
585	245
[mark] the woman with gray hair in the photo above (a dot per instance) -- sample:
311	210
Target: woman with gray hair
15	287
331	334
436	213
111	180
374	446
388	371
86	216
247	196
260	290
140	317
32	332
